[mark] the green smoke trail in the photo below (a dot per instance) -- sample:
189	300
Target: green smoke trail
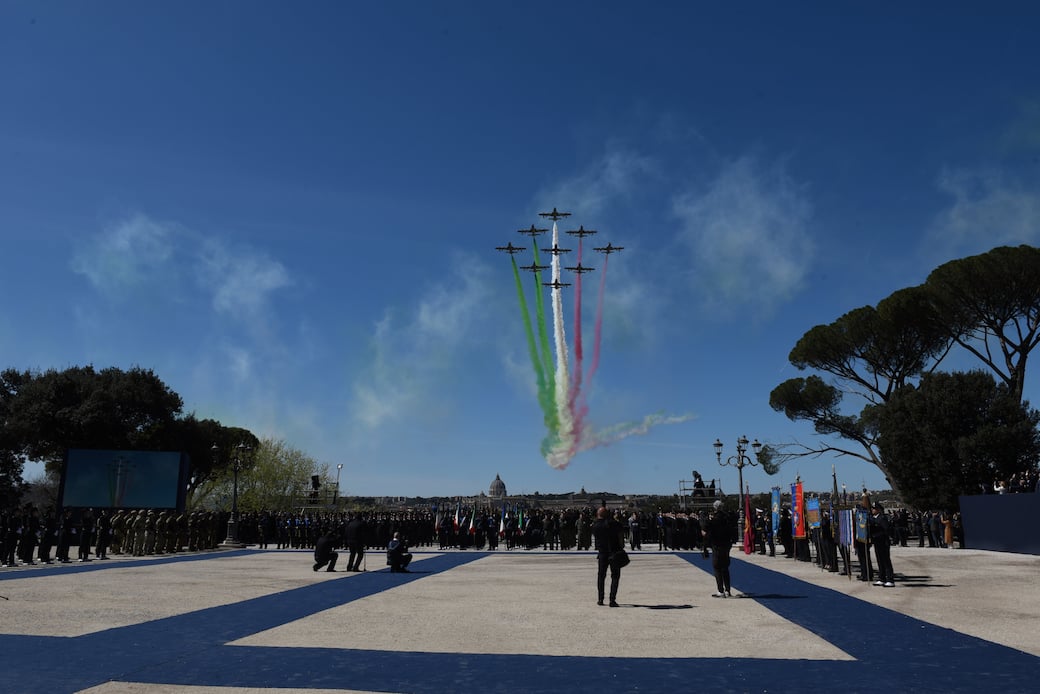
552	415
545	391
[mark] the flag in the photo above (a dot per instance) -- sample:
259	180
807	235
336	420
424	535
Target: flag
749	533
473	522
797	511
502	522
775	508
458	509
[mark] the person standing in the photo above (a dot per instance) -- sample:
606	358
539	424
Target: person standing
879	537
607	534
720	534
102	528
635	539
86	533
355	537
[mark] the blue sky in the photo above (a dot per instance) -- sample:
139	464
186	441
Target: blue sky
289	211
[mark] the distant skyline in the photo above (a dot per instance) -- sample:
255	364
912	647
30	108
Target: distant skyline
290	213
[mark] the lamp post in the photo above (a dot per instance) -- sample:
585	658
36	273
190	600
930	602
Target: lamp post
236	465
739	461
335	497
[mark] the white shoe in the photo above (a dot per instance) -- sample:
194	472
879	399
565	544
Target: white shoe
890	585
718	595
729	594
879	583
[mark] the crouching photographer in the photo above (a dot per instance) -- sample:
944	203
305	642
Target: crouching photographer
397	555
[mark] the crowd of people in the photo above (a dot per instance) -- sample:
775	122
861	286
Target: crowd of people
28	537
1018	483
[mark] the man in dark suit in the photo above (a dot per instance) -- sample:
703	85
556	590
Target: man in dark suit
355	536
720	534
325	552
607	533
879	537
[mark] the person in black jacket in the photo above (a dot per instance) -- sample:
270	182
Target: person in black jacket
879	537
397	555
325	552
720	534
607	533
355	537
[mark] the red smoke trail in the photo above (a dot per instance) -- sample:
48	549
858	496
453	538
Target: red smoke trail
598	330
577	414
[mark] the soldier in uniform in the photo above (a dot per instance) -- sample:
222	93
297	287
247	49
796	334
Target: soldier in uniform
879	536
102	529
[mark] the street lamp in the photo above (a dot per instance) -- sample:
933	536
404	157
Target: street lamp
335	498
739	461
236	465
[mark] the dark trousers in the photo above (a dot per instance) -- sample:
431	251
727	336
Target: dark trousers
603	563
330	560
866	569
884	562
357	553
720	564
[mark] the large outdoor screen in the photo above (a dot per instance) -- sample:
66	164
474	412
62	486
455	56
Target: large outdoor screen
124	479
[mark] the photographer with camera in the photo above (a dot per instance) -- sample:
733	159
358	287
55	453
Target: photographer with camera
397	555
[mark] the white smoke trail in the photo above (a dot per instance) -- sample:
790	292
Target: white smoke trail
560	456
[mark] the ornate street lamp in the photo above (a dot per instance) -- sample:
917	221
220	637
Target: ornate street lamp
236	464
739	461
335	497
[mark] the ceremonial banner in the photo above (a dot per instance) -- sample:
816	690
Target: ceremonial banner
812	512
862	533
749	533
797	511
845	527
775	506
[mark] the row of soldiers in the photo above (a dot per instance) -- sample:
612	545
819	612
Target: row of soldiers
29	537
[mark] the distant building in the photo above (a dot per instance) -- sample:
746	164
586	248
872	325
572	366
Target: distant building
498	489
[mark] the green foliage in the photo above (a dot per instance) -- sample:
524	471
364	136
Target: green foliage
43	414
990	303
273	476
953	434
79	407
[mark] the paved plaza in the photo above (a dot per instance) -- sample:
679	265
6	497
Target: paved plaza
231	622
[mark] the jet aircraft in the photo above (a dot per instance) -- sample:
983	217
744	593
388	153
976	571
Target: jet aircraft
534	267
609	248
554	215
557	284
556	250
533	231
510	248
581	231
579	269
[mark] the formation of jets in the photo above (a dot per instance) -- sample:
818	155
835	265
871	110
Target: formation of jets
554	215
510	248
609	248
533	231
581	231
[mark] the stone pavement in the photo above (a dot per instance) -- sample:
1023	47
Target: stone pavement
521	621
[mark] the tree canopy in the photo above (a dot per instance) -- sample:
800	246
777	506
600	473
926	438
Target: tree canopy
988	305
43	414
955	433
277	475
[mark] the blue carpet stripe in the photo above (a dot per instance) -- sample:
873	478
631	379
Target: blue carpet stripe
892	651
